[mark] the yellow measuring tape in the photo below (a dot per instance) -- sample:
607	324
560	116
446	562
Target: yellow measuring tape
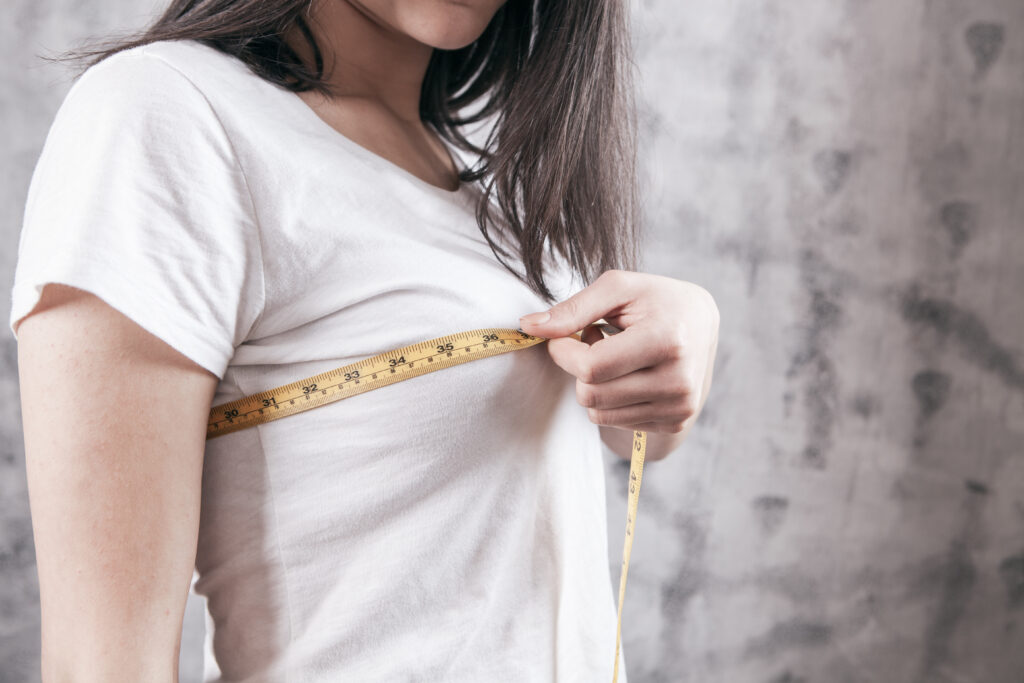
401	364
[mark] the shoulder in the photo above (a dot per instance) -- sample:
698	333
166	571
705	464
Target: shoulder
189	59
165	87
163	77
150	101
126	85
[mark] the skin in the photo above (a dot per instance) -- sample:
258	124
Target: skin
114	500
378	74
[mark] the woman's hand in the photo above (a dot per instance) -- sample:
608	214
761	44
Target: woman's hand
655	374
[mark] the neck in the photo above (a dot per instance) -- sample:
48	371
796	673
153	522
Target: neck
365	58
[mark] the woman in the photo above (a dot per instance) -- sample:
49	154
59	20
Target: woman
253	192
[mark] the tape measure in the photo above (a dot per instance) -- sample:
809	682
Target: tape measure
401	364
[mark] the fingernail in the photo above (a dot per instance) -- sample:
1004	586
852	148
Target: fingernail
535	318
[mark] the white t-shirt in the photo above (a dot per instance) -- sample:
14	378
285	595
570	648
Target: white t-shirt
450	527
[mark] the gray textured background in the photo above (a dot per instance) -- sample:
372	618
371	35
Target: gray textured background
847	178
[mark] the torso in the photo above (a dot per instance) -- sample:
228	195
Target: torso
452	527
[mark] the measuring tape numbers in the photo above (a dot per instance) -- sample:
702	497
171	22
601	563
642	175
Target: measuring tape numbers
398	365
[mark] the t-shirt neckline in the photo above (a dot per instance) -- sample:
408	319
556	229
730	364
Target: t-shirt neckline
329	131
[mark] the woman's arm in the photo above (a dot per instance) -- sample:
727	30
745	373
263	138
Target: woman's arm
115	427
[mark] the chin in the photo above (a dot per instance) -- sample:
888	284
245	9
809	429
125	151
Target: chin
446	24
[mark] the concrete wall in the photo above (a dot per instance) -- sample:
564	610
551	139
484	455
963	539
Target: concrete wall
847	178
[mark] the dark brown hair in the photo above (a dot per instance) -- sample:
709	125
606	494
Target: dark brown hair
553	79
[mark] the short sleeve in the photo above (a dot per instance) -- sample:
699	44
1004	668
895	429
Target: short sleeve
138	198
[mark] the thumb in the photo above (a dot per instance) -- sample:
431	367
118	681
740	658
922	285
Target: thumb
606	294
